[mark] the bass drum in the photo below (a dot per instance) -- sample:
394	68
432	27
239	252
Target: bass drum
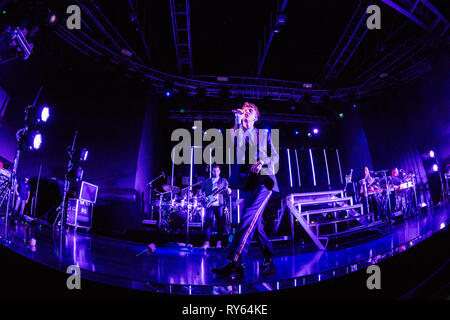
176	218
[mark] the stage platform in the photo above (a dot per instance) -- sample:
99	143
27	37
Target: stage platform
175	269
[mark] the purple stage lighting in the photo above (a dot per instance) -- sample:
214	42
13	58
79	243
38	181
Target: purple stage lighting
168	93
431	153
84	155
296	132
43	114
435	167
316	131
36	141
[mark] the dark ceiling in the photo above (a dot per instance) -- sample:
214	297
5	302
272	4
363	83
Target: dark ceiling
226	35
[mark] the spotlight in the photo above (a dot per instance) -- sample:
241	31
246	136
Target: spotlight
43	113
355	106
296	132
309	134
35	141
316	131
52	19
341	115
435	167
431	153
84	155
194	127
168	93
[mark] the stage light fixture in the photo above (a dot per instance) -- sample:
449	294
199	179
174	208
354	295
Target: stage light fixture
431	153
316	131
296	132
435	167
168	93
43	113
341	115
84	155
35	140
309	134
194	127
354	106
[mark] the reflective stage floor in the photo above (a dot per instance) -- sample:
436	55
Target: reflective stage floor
181	270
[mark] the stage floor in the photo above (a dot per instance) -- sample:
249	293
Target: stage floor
176	269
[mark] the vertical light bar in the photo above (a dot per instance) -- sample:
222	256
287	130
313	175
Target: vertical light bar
238	207
210	163
312	167
290	171
191	169
326	165
229	163
173	171
339	163
173	165
298	169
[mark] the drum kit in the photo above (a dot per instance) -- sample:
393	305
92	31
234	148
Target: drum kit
175	204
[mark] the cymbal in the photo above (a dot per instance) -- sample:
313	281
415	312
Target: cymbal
172	189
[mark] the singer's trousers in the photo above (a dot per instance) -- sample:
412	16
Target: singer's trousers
251	222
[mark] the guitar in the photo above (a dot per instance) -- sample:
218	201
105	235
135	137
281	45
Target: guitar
211	198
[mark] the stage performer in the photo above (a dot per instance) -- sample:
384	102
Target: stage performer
253	174
214	190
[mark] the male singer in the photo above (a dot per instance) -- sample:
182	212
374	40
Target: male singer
253	174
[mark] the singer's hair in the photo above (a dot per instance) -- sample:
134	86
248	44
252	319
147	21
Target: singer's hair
215	166
252	106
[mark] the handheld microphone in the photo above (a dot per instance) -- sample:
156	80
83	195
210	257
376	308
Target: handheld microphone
162	173
237	111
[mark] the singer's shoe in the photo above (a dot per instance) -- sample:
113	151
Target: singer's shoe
268	267
230	269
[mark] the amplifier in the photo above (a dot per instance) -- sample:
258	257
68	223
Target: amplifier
79	213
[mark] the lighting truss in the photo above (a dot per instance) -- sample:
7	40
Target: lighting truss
181	26
347	45
422	13
270	39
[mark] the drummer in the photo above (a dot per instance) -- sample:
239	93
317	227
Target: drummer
216	209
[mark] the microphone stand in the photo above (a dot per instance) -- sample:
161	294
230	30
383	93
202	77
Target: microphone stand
150	197
36	192
388	193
